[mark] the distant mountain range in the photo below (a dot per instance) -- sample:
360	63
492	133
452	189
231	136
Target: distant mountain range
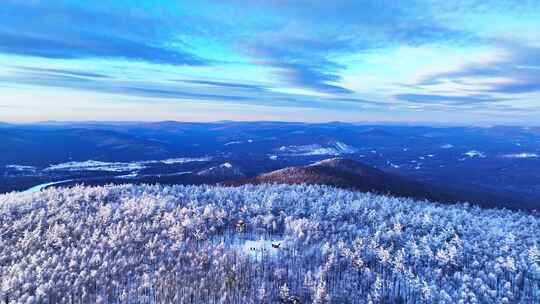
491	165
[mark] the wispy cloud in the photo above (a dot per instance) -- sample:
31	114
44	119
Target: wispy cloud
516	72
223	84
50	30
447	99
61	72
306	48
191	91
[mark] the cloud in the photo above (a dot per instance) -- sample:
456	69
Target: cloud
62	72
223	84
519	86
92	46
104	85
518	71
9	107
51	30
447	99
219	92
357	101
176	94
302	40
300	61
312	76
308	38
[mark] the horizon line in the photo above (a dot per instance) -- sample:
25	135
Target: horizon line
386	123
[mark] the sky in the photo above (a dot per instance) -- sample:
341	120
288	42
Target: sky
412	61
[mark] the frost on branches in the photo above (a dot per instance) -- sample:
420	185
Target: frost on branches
260	244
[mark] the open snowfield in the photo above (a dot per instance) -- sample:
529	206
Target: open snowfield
260	244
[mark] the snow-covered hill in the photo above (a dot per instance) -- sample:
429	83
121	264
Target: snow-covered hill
260	244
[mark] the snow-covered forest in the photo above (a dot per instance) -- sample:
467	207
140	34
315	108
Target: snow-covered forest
260	244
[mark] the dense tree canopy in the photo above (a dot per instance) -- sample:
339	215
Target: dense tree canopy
260	244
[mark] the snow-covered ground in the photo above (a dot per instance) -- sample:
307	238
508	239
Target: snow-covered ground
224	170
391	164
43	186
521	155
261	248
475	153
238	142
127	176
93	165
335	149
181	160
21	168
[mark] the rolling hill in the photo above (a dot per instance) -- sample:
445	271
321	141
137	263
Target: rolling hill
350	174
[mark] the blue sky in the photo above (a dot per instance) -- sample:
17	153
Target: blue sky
414	61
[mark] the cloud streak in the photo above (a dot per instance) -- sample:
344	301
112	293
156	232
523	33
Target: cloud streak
218	92
519	69
310	58
51	31
223	84
61	72
447	99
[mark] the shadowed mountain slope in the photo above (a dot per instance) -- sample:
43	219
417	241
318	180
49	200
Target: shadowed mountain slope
350	174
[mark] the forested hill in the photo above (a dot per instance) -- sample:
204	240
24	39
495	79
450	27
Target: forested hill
260	244
354	175
350	174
